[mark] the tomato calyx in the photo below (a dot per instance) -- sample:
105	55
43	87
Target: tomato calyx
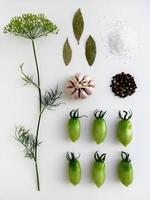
127	114
74	114
71	156
99	114
125	156
98	157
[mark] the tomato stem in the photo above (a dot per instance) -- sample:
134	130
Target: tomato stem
71	156
75	114
125	156
100	158
99	114
127	115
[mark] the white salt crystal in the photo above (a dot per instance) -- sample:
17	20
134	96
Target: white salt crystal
122	40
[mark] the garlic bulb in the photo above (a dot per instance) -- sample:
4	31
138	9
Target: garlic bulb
80	86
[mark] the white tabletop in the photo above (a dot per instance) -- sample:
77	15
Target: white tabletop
18	104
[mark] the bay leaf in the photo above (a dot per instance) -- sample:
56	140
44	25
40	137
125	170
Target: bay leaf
67	52
90	50
78	24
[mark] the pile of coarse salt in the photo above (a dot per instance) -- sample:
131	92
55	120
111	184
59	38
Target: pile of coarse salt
119	38
122	40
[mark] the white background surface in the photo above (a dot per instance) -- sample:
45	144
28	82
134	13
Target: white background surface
18	104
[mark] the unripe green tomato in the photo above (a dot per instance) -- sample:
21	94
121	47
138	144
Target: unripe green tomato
74	128
99	129
125	170
98	169
74	172
124	132
74	169
124	129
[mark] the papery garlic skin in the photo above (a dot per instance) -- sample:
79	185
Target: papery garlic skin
80	86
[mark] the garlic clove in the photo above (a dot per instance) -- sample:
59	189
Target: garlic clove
79	76
89	90
87	78
75	95
69	90
74	80
92	84
83	94
69	85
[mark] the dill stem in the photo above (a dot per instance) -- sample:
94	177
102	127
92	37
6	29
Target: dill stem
38	76
39	118
37	175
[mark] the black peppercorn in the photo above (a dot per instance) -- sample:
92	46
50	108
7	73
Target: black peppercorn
123	85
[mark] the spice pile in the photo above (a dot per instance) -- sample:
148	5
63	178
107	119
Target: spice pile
119	38
122	40
123	85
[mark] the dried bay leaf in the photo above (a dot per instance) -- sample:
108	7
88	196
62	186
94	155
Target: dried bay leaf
90	50
78	24
67	52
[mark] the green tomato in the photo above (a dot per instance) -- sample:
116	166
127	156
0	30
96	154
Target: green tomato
74	169
125	170
98	169
99	129
74	126
124	128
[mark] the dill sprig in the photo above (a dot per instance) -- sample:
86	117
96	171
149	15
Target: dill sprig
30	26
27	139
51	98
28	79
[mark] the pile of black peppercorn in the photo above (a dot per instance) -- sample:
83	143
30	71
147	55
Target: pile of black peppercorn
123	85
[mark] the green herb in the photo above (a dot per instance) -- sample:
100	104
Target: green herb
78	24
27	139
33	26
50	99
90	50
67	52
30	26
